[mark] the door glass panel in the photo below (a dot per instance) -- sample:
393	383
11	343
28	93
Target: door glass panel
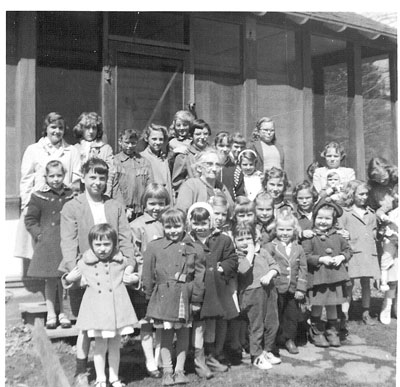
149	89
330	101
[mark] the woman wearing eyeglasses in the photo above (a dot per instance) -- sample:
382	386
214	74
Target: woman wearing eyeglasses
208	166
270	153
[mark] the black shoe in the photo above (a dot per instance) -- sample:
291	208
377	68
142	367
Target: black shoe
291	347
154	374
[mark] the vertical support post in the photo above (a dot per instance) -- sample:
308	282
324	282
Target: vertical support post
356	151
303	53
250	99
108	79
393	100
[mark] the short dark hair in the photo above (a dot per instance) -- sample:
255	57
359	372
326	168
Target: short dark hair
304	185
199	124
173	216
103	231
97	165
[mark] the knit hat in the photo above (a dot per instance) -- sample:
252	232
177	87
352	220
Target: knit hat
330	203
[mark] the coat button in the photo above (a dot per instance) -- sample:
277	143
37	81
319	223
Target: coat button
98	283
53	224
53	212
211	269
110	290
99	291
97	273
106	272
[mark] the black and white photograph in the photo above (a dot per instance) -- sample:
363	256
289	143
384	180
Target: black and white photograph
200	197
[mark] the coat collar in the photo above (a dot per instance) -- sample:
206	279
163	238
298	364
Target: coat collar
351	212
123	157
148	219
186	240
90	259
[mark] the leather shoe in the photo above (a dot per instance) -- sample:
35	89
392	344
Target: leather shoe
291	347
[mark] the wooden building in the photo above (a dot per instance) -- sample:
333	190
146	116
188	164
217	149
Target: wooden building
320	76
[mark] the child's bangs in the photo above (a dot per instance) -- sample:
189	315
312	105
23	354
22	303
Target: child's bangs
199	214
173	217
100	170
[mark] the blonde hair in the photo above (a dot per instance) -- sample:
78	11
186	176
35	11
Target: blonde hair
286	215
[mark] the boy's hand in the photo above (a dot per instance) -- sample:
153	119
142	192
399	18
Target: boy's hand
74	275
307	234
298	295
337	260
326	260
266	279
129	277
220	269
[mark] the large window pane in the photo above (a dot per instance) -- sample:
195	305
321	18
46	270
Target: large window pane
218	85
159	26
330	87
378	126
149	90
277	94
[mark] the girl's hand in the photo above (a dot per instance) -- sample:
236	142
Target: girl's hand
338	259
195	307
298	295
220	269
307	234
74	275
344	233
326	260
129	277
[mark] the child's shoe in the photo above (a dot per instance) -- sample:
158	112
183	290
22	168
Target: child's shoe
316	334
331	334
180	378
214	365
64	321
168	379
81	380
384	316
272	359
262	363
291	347
367	319
200	365
117	383
235	356
51	322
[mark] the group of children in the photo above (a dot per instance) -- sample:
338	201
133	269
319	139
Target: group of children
218	279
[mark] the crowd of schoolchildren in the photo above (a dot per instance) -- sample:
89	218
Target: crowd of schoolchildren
202	244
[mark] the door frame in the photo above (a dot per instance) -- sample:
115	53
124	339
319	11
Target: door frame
118	45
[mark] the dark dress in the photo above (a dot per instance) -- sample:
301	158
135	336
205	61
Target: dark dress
326	284
218	301
173	274
43	223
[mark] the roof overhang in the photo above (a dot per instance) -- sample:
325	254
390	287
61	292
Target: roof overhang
369	32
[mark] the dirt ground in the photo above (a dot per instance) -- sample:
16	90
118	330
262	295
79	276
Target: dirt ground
367	357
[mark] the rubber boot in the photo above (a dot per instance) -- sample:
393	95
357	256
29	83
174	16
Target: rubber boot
213	364
331	333
200	364
316	333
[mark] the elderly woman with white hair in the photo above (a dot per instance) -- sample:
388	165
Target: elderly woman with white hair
207	184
